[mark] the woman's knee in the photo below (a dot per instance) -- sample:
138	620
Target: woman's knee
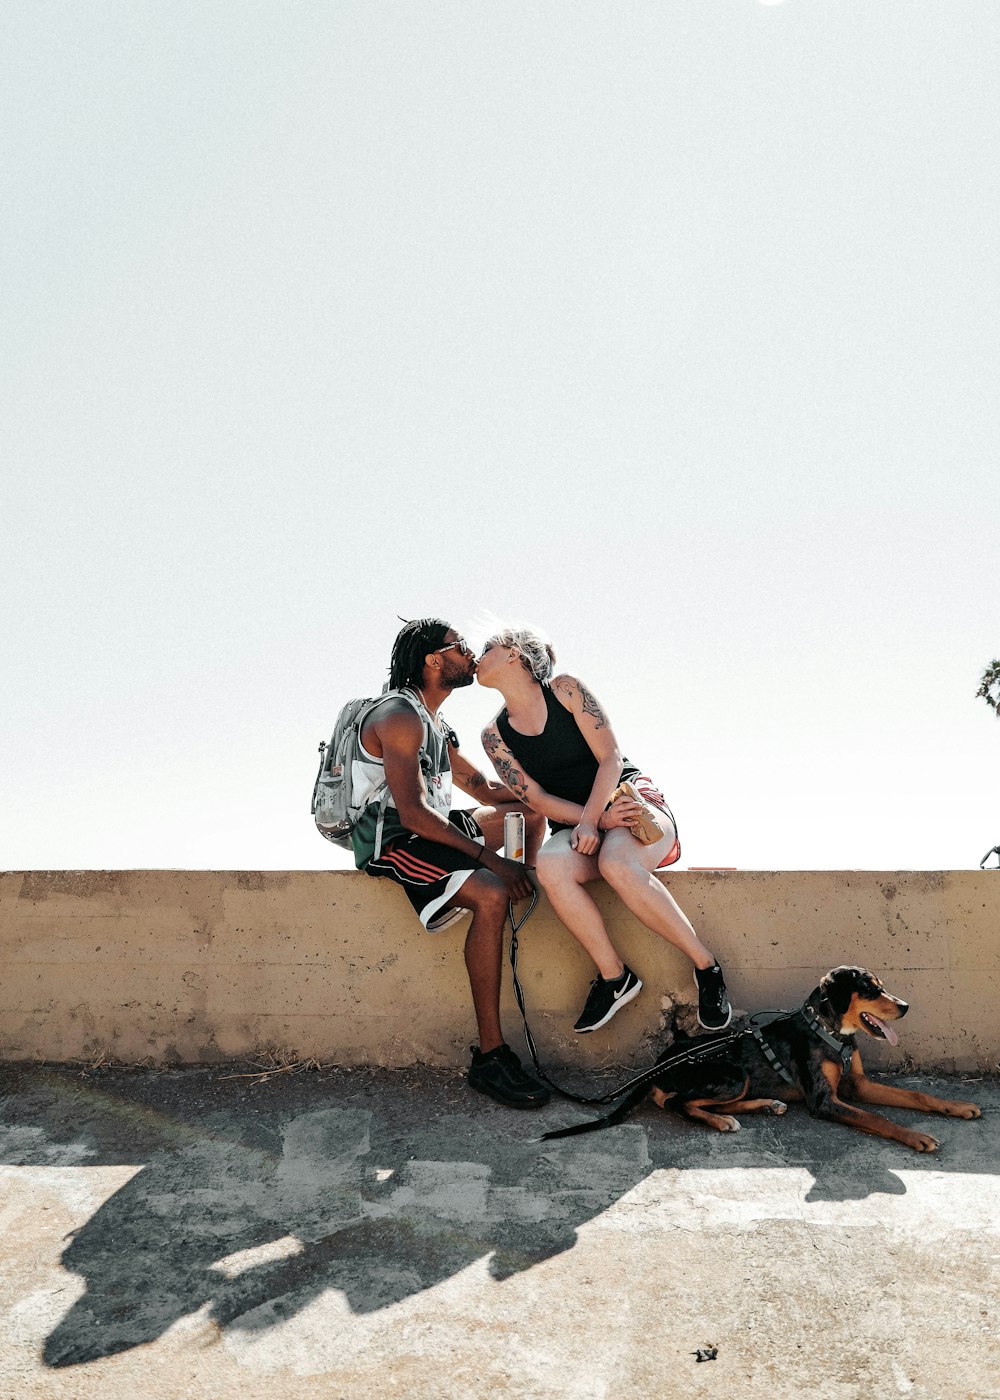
546	870
619	865
556	868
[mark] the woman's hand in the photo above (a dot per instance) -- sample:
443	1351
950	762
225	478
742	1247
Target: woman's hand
622	812
586	839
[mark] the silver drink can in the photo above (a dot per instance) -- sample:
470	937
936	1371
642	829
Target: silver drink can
513	836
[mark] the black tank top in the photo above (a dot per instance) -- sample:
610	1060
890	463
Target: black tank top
559	759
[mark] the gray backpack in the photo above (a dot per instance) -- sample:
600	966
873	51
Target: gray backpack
334	808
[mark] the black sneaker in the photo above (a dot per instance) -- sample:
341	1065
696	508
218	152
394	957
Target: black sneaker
500	1074
606	999
714	1011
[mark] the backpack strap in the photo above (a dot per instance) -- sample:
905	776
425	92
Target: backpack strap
383	789
324	747
383	803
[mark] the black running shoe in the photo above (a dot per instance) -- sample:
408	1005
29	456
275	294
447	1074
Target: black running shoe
714	1011
606	999
500	1074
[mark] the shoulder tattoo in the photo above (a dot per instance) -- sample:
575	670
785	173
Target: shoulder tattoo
591	707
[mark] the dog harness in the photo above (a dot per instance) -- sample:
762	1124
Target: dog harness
842	1047
769	1055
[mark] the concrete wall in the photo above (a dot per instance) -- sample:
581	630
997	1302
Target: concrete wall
204	966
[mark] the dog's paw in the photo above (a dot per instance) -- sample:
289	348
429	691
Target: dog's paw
922	1142
727	1123
777	1107
963	1110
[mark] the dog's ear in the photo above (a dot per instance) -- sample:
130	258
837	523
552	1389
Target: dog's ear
838	986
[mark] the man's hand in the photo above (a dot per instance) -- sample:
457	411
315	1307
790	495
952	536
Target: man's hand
586	839
622	812
511	872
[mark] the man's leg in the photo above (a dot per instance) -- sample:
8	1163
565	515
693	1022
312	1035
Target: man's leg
495	1069
485	895
427	871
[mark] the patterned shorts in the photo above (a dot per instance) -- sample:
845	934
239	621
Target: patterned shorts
650	793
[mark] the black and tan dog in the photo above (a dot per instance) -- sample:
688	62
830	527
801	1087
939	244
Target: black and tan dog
807	1055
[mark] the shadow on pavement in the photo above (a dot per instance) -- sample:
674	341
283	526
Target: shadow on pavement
252	1200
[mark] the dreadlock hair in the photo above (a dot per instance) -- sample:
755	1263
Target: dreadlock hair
414	641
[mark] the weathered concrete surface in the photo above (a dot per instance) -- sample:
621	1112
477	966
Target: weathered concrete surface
197	967
389	1233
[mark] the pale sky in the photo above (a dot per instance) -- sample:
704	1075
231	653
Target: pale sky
671	327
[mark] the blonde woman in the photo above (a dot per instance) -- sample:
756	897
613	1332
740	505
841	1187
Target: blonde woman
553	745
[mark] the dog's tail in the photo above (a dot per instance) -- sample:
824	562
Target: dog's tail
608	1121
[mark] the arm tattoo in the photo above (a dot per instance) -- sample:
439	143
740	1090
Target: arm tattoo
476	781
591	707
510	776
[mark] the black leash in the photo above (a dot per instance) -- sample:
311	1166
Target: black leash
714	1049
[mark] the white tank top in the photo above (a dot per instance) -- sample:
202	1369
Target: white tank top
368	772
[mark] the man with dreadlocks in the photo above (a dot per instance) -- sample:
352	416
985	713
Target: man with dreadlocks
446	861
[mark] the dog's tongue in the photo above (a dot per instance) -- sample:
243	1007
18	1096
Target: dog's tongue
887	1031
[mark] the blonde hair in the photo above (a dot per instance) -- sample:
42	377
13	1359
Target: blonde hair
537	655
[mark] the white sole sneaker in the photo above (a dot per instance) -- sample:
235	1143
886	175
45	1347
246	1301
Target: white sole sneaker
701	1023
613	1009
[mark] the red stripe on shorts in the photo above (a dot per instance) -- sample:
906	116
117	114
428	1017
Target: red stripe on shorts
647	788
413	865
